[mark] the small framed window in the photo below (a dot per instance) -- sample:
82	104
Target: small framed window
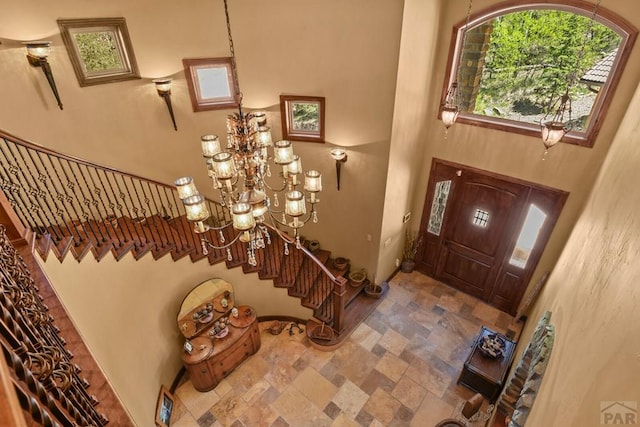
513	61
100	50
302	118
211	83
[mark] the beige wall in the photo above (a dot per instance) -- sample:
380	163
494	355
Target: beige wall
419	42
126	313
594	296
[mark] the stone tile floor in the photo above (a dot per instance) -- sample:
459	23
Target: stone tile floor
398	368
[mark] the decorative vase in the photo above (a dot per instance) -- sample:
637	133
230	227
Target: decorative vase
314	246
407	266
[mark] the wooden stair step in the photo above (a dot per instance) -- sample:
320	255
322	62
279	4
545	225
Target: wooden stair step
306	279
352	291
142	249
43	244
100	251
319	293
289	268
273	257
120	251
61	247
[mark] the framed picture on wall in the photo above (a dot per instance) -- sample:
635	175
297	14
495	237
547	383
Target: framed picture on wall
100	50
302	118
211	83
164	407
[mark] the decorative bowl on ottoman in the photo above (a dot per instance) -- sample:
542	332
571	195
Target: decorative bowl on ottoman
492	346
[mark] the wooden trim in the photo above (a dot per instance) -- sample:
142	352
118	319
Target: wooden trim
285	112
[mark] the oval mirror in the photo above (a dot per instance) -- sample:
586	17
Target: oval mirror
206	303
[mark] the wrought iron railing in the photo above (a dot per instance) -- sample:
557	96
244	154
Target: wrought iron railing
46	381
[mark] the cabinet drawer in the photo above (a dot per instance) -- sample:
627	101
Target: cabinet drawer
201	376
223	366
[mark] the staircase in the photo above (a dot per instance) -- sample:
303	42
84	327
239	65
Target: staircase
76	208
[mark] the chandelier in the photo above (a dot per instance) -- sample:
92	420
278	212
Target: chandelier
555	128
242	174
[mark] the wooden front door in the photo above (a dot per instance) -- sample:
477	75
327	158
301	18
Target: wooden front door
484	233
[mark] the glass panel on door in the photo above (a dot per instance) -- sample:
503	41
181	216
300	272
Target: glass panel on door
528	237
437	207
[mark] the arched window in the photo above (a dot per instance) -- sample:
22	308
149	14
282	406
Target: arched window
517	59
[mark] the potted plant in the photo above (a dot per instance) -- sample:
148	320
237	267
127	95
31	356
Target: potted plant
411	244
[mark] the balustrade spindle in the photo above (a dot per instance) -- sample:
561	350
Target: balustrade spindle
110	218
92	205
40	194
28	188
45	181
14	196
66	197
118	205
137	205
98	191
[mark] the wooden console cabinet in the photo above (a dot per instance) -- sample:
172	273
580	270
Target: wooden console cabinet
212	359
207	310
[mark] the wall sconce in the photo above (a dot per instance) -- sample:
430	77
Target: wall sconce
163	86
340	156
37	52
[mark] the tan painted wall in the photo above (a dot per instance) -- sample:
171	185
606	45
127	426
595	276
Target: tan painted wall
126	313
594	296
420	32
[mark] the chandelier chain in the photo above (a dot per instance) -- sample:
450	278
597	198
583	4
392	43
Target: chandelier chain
581	53
234	67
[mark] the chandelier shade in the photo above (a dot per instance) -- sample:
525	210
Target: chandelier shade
283	152
552	133
210	145
449	115
185	187
196	208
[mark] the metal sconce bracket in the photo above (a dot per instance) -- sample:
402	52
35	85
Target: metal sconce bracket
163	86
41	61
340	156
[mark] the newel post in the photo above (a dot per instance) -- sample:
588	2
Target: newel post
339	292
16	232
